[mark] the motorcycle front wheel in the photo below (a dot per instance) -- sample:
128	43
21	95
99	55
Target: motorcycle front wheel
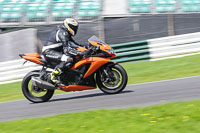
112	87
34	93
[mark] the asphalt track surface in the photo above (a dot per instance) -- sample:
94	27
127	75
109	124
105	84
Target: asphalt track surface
138	95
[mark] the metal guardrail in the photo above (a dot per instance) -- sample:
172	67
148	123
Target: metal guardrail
131	51
153	49
157	48
14	70
174	45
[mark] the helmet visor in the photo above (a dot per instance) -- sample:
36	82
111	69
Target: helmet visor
74	28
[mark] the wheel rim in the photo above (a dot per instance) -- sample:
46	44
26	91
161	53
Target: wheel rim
112	85
35	91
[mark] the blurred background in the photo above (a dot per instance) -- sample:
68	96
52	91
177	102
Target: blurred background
25	24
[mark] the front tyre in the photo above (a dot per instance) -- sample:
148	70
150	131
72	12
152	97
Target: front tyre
118	82
33	93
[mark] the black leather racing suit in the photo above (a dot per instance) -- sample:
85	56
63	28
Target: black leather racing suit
61	48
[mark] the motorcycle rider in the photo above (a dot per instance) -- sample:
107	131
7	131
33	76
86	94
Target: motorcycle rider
61	48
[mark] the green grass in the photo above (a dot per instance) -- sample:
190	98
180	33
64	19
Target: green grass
163	69
180	117
10	91
137	73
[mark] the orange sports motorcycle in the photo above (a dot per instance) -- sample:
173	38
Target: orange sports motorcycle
87	72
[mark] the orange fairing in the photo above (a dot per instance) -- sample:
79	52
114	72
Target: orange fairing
34	57
76	88
96	62
33	54
103	47
81	49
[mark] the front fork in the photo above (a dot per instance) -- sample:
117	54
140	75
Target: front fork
107	72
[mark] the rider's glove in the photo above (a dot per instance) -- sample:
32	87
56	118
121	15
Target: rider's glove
85	46
95	48
84	53
91	50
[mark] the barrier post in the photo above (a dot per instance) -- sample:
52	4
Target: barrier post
101	28
170	25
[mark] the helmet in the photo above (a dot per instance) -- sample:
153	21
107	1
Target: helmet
71	25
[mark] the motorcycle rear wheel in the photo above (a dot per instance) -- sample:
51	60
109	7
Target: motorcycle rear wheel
116	86
33	93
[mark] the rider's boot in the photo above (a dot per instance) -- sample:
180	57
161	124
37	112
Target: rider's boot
54	76
57	71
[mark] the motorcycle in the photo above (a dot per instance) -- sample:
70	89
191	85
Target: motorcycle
95	69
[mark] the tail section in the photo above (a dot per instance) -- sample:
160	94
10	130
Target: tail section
33	57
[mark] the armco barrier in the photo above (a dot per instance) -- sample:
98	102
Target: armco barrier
153	49
171	46
14	70
165	47
131	51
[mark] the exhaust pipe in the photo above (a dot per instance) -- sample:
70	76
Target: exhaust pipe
42	84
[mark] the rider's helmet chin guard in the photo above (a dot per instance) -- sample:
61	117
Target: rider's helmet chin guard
71	25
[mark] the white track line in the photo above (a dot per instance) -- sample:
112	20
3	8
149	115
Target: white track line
12	81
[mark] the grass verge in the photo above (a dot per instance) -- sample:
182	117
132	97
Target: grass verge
163	69
137	73
180	117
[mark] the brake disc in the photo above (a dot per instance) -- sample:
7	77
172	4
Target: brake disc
113	83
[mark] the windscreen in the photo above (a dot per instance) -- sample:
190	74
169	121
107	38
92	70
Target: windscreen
95	39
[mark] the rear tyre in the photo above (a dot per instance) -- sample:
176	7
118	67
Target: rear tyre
33	93
116	86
